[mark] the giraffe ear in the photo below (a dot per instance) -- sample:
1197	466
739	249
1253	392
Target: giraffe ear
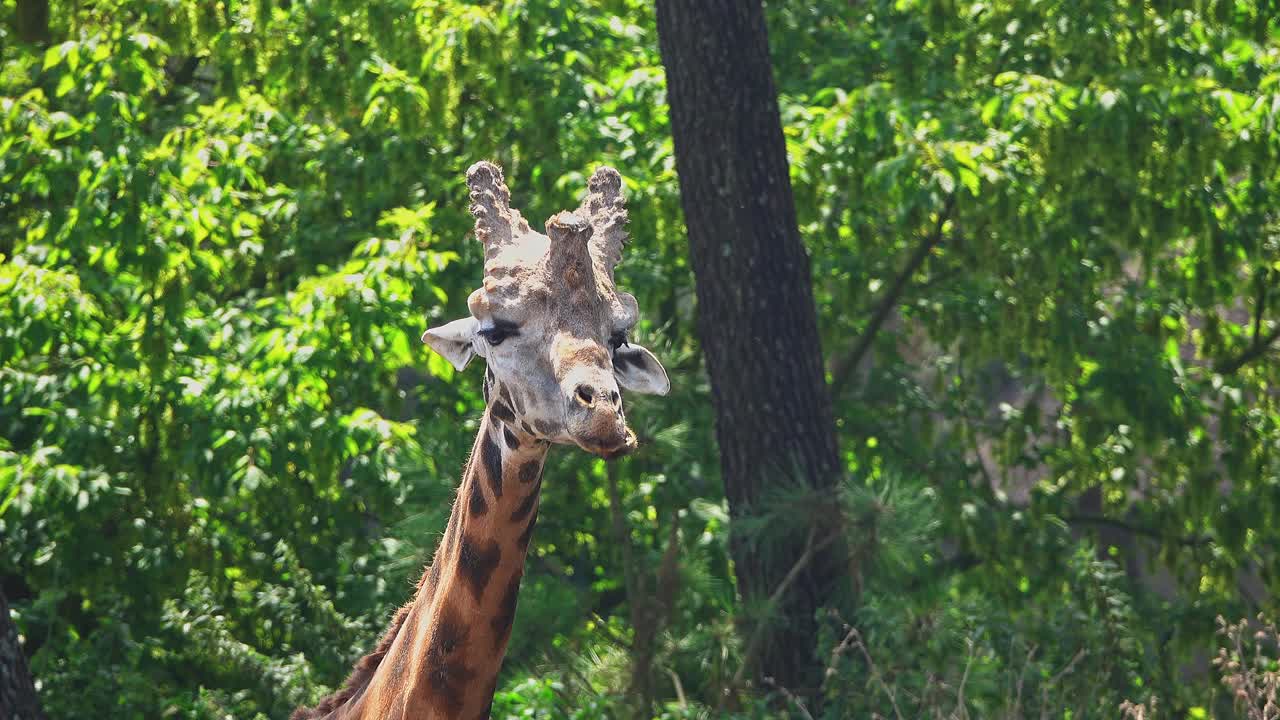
452	341
639	371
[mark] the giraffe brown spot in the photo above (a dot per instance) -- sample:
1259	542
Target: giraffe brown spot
513	442
502	412
545	427
478	505
526	505
529	471
517	401
590	355
476	564
528	429
501	622
523	540
491	456
447	674
450	634
505	395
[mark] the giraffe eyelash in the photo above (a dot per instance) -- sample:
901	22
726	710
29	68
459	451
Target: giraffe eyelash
499	331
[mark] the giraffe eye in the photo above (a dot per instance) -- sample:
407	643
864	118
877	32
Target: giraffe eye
618	340
497	332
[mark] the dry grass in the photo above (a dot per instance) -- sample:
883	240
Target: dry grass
1249	665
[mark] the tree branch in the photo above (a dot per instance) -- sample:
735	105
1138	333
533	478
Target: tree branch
790	696
1260	303
843	368
1260	346
1137	529
753	645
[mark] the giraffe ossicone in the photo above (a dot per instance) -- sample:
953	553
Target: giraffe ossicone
552	328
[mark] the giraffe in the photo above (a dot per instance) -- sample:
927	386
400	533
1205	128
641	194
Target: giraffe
552	329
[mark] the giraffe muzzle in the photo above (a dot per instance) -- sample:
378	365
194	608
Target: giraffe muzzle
612	448
595	419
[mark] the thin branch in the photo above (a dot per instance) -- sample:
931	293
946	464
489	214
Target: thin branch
1260	304
757	635
1044	691
679	687
875	672
836	652
1260	346
1017	700
1070	666
609	633
962	708
1137	529
789	696
843	368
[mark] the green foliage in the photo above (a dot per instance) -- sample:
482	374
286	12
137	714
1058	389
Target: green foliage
224	456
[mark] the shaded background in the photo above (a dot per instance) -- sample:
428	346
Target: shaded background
1044	245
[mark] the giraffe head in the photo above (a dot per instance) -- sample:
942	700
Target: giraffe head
549	321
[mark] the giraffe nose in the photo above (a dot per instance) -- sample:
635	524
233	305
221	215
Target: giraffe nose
588	396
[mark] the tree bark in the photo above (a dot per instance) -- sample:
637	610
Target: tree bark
32	21
18	699
756	314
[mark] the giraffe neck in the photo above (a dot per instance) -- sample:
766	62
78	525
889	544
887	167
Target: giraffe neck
444	650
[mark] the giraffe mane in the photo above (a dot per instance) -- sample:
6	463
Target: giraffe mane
360	675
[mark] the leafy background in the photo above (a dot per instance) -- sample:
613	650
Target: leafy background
1045	242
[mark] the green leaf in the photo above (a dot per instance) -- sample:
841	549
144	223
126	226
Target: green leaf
946	181
55	54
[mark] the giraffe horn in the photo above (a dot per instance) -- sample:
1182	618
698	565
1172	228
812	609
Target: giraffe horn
569	258
497	223
605	207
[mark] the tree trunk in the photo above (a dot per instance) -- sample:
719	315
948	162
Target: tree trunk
17	693
756	315
32	21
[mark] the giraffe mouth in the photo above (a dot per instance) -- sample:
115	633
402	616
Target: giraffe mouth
611	451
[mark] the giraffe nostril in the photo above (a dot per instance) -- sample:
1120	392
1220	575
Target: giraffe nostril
614	397
586	395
